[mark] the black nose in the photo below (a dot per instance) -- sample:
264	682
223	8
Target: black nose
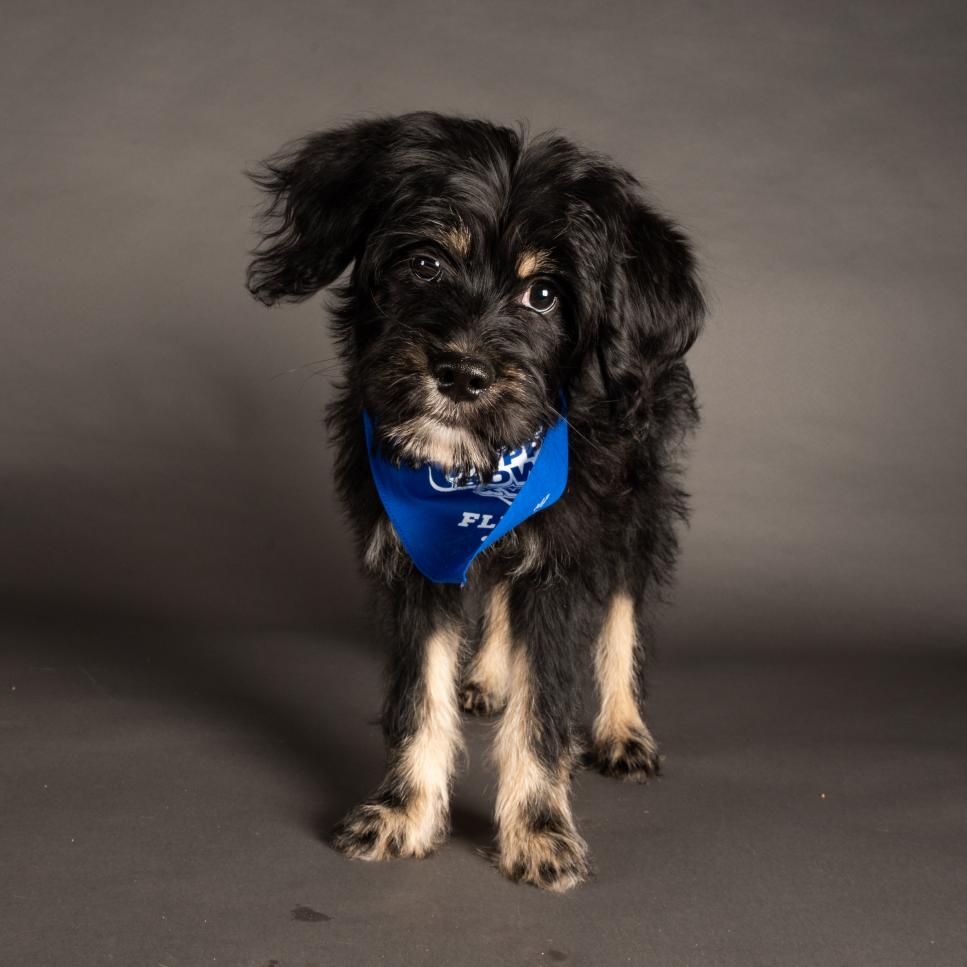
462	378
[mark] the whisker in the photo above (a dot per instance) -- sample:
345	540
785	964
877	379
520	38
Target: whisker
596	446
379	308
296	369
398	380
318	372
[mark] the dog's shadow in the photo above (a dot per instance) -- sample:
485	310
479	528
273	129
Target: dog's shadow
180	581
285	703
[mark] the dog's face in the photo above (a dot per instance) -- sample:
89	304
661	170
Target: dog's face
491	275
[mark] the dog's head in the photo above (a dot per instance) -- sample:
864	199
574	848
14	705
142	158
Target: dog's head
491	273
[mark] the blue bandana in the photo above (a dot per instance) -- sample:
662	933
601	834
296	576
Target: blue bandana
445	520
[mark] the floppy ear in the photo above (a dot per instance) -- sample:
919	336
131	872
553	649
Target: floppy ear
655	307
322	194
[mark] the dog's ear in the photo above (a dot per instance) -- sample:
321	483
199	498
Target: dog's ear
322	192
653	305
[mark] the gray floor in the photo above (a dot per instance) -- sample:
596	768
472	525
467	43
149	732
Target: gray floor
165	792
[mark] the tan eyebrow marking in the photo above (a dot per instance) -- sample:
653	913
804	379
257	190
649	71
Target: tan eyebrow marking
457	239
530	261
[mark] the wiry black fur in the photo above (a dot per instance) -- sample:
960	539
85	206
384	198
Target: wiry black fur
371	194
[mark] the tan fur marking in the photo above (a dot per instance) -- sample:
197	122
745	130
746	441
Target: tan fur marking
614	666
530	261
490	668
525	783
424	768
457	239
426	439
619	718
383	549
531	551
427	760
522	777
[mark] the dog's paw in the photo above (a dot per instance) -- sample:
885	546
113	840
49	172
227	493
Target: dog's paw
373	831
476	700
552	860
634	758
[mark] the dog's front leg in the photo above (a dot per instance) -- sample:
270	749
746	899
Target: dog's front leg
408	815
536	747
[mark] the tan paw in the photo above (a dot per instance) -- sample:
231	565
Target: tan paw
552	859
633	757
373	831
477	700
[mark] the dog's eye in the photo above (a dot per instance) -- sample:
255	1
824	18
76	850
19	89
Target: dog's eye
540	297
426	268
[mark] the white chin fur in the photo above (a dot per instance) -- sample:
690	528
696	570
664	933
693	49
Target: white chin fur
427	440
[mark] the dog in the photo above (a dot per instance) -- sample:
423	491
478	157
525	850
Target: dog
497	278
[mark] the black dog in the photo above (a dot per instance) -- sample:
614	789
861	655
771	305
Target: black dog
494	274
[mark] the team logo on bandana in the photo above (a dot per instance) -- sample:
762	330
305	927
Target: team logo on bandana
513	469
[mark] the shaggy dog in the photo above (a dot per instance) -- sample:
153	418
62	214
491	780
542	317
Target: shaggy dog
496	278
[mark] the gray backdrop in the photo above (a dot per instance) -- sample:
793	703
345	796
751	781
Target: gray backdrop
150	461
156	470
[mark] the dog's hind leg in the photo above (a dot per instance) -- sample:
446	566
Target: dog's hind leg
408	815
485	684
536	747
622	745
